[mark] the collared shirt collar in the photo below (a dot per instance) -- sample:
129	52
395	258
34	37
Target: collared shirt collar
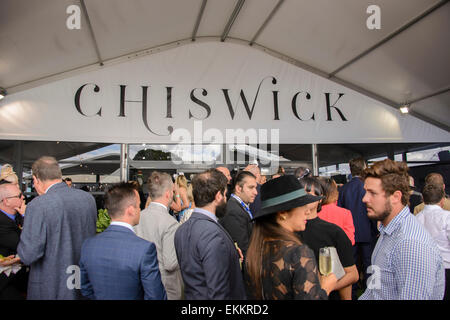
122	224
11	216
207	213
432	206
395	223
239	199
51	186
245	205
159	204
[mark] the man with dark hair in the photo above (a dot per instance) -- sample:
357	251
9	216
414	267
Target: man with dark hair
238	219
206	253
158	226
68	181
437	222
255	206
56	224
116	264
406	263
302	172
350	198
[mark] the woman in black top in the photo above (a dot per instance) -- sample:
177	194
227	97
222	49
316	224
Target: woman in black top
278	265
320	233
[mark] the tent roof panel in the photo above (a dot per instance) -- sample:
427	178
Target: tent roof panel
326	34
406	67
122	27
35	42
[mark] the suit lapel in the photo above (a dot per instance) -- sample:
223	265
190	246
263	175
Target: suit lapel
201	216
236	202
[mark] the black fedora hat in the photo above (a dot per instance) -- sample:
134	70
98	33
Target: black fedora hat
282	194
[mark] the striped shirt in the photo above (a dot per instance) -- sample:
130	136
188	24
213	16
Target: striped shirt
406	263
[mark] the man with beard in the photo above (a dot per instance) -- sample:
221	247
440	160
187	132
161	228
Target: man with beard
208	259
158	226
406	263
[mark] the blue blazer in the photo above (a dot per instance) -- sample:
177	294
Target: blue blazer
118	265
350	197
208	260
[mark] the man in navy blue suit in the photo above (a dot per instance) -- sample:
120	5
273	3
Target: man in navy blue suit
208	258
350	197
117	264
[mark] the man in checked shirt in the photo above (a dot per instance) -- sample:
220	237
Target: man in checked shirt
406	262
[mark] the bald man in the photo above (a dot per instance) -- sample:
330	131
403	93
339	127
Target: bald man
227	174
12	209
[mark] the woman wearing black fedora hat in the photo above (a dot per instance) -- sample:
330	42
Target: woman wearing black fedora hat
278	264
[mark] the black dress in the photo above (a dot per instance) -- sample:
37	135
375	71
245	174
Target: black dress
289	272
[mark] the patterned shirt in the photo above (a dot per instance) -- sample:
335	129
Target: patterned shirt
406	263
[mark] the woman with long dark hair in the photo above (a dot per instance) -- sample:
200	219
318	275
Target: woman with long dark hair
278	265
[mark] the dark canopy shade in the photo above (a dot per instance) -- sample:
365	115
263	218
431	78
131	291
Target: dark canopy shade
32	150
329	154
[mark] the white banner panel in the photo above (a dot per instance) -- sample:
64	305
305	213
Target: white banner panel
205	92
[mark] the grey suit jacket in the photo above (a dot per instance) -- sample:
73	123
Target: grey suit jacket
55	226
158	226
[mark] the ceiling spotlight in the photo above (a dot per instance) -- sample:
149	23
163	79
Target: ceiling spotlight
3	93
404	109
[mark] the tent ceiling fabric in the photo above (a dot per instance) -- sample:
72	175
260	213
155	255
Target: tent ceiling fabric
406	60
32	150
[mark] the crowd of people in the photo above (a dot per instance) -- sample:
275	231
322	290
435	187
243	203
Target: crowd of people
220	236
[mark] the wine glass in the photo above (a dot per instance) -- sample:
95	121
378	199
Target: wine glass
325	261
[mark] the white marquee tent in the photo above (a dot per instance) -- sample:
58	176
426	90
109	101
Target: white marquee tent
405	61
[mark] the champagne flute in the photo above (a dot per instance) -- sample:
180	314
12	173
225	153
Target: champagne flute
325	261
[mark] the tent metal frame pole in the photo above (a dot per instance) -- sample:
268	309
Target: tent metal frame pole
199	18
390	36
431	95
124	162
231	20
91	32
266	22
315	159
18	156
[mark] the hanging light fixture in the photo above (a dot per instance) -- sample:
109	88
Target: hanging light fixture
404	108
3	93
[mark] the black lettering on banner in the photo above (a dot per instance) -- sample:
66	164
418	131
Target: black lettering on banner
169	102
144	108
275	106
200	103
77	100
294	106
244	99
327	97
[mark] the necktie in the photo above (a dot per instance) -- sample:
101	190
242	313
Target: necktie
244	206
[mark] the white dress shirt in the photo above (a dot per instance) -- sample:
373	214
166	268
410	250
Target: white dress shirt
437	222
122	224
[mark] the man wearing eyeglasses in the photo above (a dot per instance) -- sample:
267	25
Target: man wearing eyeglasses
12	208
